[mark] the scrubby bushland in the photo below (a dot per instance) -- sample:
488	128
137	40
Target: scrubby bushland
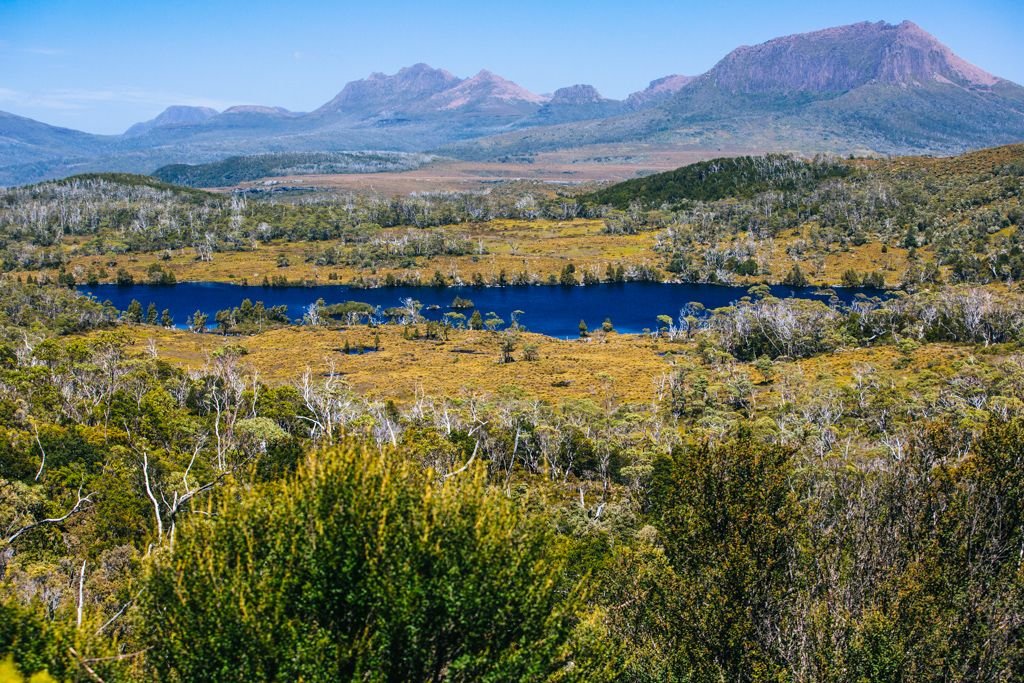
363	566
811	494
718	219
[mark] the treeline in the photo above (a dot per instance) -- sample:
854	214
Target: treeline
110	215
730	177
949	219
771	327
234	170
718	219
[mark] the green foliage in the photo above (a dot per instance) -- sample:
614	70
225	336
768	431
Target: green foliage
361	566
34	643
131	180
234	170
250	318
853	516
568	276
720	178
350	312
476	321
795	277
731	524
197	321
64	311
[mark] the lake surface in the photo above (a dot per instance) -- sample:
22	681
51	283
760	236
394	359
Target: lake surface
551	310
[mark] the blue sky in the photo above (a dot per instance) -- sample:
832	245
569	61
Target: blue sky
101	65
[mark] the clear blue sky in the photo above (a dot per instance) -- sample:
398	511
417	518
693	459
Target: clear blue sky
101	65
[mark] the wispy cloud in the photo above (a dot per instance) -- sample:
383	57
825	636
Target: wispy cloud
70	99
40	50
45	51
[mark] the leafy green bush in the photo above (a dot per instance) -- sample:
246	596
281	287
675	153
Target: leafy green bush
361	566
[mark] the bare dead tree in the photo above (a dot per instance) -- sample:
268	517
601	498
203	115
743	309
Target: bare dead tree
42	452
329	404
80	504
166	511
81	595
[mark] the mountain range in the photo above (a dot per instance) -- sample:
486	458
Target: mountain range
862	88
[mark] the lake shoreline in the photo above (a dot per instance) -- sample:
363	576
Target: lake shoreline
631	307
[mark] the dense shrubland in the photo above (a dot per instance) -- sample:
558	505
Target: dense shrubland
234	170
743	177
766	518
718	219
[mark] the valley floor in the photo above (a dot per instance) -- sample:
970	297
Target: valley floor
581	165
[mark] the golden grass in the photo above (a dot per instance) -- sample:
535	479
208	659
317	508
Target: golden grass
613	367
543	247
607	369
539	247
827	268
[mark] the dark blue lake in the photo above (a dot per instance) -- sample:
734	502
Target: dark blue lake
551	310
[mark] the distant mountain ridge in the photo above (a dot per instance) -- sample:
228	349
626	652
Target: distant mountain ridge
867	87
659	89
421	90
177	115
381	93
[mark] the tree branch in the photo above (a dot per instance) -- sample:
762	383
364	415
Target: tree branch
79	504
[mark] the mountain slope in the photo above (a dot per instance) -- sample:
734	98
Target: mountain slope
30	149
177	115
486	93
837	60
658	90
575	103
381	94
865	87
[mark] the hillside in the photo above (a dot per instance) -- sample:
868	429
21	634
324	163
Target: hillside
739	177
901	222
234	170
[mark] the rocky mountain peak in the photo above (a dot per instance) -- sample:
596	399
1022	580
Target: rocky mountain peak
577	94
175	115
836	60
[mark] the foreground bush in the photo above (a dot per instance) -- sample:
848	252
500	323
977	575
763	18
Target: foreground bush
363	567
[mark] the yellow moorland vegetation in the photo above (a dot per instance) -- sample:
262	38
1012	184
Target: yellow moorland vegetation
604	367
539	248
607	369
